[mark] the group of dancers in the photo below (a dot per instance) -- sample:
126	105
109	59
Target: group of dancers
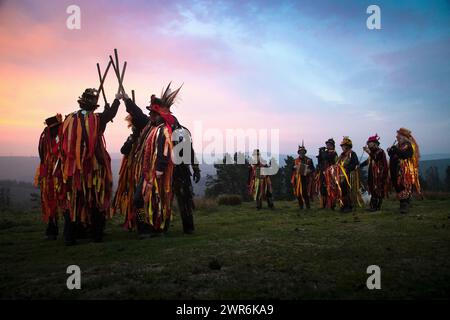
75	177
337	178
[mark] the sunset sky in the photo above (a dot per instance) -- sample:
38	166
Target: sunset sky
311	69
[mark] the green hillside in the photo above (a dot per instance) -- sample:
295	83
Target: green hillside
238	252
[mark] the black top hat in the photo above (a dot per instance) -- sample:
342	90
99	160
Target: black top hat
53	121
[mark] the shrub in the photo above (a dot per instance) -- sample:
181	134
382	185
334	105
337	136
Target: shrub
229	199
205	204
430	195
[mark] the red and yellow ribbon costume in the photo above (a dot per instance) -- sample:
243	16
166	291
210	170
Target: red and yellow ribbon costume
86	166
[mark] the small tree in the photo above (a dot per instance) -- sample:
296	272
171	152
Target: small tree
7	198
432	179
230	178
2	198
35	200
447	179
423	183
287	175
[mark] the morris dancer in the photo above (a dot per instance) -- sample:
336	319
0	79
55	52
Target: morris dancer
86	167
349	176
327	157
259	185
48	176
378	172
182	186
302	178
404	167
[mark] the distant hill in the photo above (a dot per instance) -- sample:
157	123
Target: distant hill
440	164
436	156
24	168
19	194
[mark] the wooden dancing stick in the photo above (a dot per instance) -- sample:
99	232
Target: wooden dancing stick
100	77
102	80
119	77
132	96
116	55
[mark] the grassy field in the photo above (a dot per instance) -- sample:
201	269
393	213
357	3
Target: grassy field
240	253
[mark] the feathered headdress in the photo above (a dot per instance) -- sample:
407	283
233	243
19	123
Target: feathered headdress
162	105
168	96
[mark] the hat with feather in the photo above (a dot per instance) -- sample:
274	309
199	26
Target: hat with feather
167	99
162	105
375	139
301	148
408	135
346	141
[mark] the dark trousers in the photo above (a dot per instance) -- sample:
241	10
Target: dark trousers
304	199
375	202
346	196
52	227
182	187
268	198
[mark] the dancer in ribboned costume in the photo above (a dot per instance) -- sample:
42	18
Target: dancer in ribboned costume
378	173
303	178
48	175
327	157
348	171
86	167
156	175
259	184
404	167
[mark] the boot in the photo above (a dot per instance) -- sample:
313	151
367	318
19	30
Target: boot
270	201
373	204
347	209
188	224
308	206
404	208
380	201
69	230
52	230
98	224
143	228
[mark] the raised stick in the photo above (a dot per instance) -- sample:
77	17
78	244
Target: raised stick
100	77
102	81
121	78
116	69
